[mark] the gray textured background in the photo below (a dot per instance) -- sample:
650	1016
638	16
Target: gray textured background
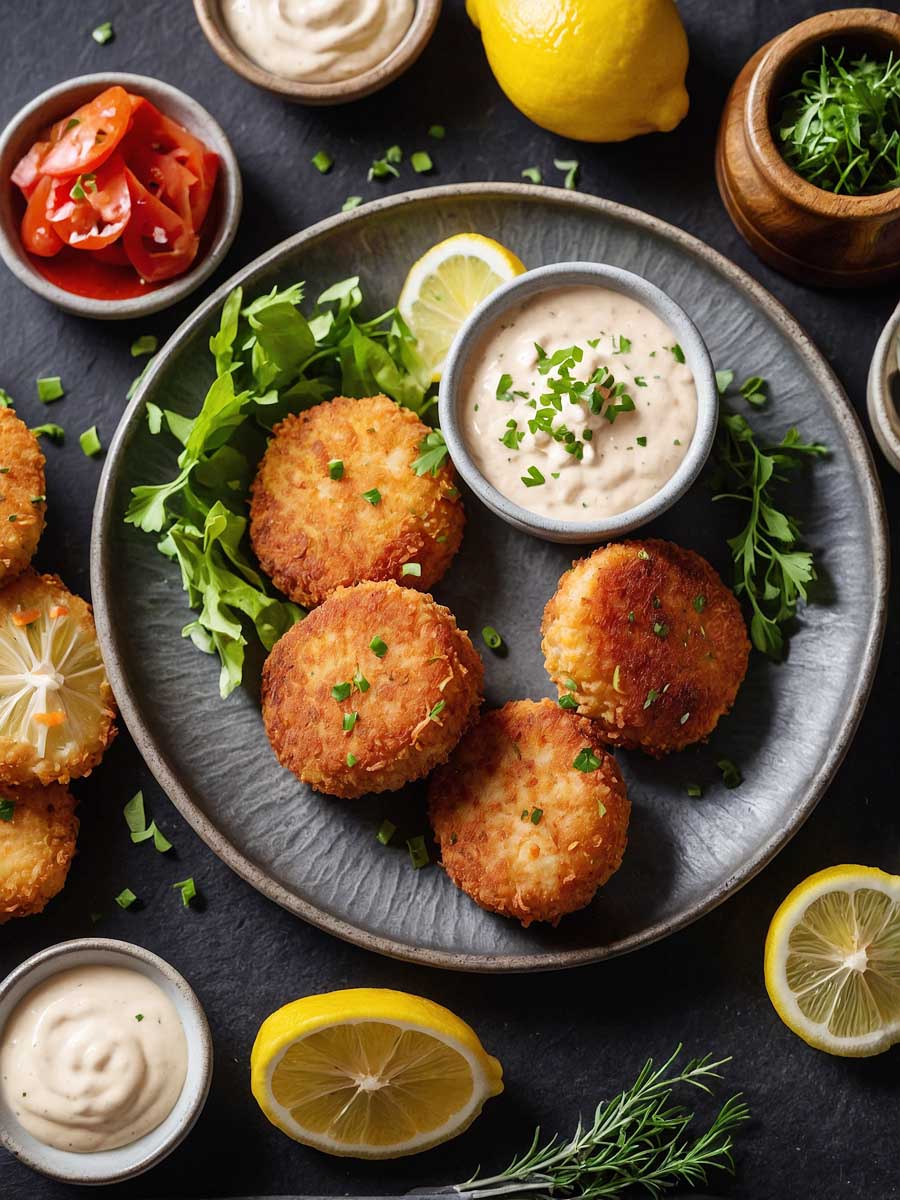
823	1127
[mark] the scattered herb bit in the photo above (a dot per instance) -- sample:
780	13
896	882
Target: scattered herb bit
50	388
621	345
699	603
351	760
568	701
139	1016
694	790
349	720
536	814
731	775
6	400
373	496
437	710
89	441
641	441
433	453
660	629
13	517
386	165
438	132
188	890
677	353
640	381
146	344
492	638
126	898
570	166
652	697
350	203
386	831
533	477
7	809
586	760
322	162
136	820
420	161
378	647
55	433
724	380
341	691
360	682
755	391
411	568
642	554
533	174
570	685
82	185
336	469
103	33
418	852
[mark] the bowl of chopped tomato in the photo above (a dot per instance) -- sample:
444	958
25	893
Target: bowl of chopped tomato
119	195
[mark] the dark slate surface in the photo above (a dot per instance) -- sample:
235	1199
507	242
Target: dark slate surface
822	1127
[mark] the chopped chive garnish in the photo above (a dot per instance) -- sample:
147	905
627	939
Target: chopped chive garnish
49	388
677	353
420	161
411	568
341	691
533	174
652	697
536	814
7	808
126	898
378	647
386	831
373	496
568	701
55	433
699	603
571	685
103	33
351	760
640	381
144	345
438	132
586	760
360	682
731	775
418	852
336	469
533	477
349	721
660	629
350	203
437	710
724	380
322	162
188	890
13	517
641	441
694	790
492	639
384	166
89	441
570	166
621	344
601	807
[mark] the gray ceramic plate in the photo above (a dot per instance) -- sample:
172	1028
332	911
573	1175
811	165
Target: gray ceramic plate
318	856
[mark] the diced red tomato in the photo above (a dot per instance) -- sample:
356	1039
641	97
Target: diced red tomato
159	243
38	233
91	211
90	135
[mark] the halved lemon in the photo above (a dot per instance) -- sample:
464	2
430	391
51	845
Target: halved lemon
370	1073
832	961
446	284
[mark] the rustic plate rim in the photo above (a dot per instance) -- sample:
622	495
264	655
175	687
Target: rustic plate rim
102	569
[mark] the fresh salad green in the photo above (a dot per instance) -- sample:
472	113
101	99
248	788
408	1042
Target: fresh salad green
270	360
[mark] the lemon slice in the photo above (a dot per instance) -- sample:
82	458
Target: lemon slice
447	283
370	1073
833	960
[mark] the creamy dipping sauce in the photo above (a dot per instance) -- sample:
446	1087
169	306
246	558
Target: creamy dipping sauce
550	446
318	41
93	1058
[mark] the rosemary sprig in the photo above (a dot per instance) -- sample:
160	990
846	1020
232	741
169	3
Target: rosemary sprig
636	1139
771	571
840	129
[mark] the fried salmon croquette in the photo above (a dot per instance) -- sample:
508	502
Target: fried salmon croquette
22	500
335	501
372	690
56	707
530	813
38	829
648	641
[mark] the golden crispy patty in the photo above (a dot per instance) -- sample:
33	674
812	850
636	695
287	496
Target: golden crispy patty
38	828
649	641
56	707
22	490
523	830
313	532
371	690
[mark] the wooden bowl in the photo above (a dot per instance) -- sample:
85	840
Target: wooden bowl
812	235
416	38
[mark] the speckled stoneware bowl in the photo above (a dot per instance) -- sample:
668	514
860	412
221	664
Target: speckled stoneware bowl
111	1166
543	279
25	128
883	392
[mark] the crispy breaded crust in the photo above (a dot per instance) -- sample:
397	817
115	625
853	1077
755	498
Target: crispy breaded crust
430	667
22	489
653	640
36	848
77	745
483	802
312	533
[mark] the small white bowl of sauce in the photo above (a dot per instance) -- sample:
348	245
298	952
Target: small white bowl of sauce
579	402
105	1061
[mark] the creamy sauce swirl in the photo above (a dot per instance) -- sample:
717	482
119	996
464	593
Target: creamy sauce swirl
522	434
318	41
93	1058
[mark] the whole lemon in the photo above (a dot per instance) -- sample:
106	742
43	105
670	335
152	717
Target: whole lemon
592	70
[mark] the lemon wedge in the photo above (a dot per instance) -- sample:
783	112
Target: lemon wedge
370	1073
447	283
832	961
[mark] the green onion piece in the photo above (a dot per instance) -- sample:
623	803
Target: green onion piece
188	890
360	682
351	760
437	710
421	163
341	691
418	852
533	477
641	441
146	344
694	790
6	400
536	814
755	391
103	33
322	162
660	629
677	353
731	775
373	496
350	720
640	381
393	154
570	685
89	441
724	380
699	603
55	433
601	807
126	898
49	388
586	760
336	469
411	568
386	832
492	639
568	701
134	815
350	203
652	697
378	647
570	166
438	132
7	808
533	174
139	1016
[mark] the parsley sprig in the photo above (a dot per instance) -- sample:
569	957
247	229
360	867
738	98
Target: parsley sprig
771	570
